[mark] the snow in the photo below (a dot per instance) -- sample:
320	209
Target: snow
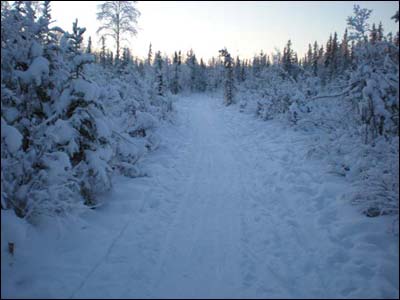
61	132
231	207
83	59
56	163
12	137
10	114
145	120
36	50
102	129
14	230
64	101
89	90
36	71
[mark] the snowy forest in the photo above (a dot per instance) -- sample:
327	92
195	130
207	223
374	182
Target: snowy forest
100	146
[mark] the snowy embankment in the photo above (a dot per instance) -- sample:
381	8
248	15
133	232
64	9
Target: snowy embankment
231	207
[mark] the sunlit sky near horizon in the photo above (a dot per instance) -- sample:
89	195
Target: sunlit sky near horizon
244	27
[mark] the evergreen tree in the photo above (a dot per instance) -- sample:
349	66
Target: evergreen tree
73	42
89	46
202	80
159	79
126	58
103	52
85	113
263	60
395	17
109	58
229	81
191	62
149	56
328	53
380	34
238	69
309	58
344	52
268	61
242	77
315	59
352	52
175	79
334	56
288	58
373	36
47	36
256	66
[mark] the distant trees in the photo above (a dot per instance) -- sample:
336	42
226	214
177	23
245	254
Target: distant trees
118	18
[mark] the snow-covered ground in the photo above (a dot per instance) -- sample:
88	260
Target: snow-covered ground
231	208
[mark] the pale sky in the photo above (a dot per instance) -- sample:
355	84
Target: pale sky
243	27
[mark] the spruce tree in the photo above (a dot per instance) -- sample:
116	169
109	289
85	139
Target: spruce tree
373	35
308	58
380	34
202	74
103	52
89	46
191	62
85	113
229	81
159	79
149	55
175	88
315	59
238	68
344	52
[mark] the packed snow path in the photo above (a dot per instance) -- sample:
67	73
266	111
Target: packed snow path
231	208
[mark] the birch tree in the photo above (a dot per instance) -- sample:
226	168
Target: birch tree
118	18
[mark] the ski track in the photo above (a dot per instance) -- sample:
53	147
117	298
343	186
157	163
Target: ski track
231	209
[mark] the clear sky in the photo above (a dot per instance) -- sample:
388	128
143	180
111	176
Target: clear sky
244	27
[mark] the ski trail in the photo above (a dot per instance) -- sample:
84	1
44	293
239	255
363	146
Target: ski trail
202	244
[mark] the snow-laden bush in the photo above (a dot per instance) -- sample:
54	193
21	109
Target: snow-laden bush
375	91
133	115
376	177
273	92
